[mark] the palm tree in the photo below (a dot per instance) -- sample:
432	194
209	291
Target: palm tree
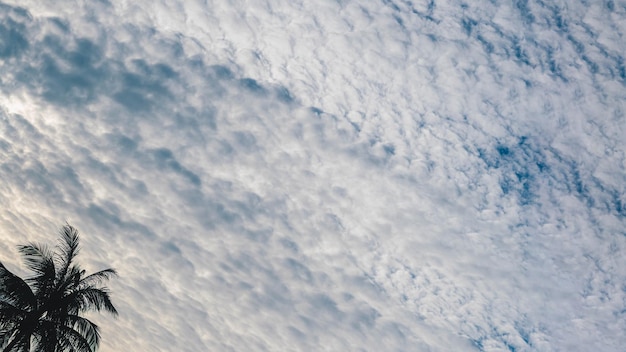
43	311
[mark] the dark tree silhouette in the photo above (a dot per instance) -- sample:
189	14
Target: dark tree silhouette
43	312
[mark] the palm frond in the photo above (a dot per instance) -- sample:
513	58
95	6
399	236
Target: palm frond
65	338
97	277
44	341
39	259
5	335
90	298
85	328
10	314
45	336
23	345
67	249
72	279
17	341
14	290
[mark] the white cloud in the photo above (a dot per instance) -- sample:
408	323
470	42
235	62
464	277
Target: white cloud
354	175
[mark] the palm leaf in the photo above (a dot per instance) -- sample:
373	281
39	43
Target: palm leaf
59	337
68	248
97	277
5	335
14	290
90	298
10	314
45	337
72	280
18	341
39	259
85	328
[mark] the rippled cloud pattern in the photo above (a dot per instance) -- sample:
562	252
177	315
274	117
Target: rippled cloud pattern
276	175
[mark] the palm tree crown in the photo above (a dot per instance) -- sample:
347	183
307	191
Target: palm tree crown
43	311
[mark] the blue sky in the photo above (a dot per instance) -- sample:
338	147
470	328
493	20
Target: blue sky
329	175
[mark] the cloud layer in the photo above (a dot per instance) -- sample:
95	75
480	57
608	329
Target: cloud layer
352	175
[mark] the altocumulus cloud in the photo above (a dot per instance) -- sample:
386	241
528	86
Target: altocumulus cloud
355	175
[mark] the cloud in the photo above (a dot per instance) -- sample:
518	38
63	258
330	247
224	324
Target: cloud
326	176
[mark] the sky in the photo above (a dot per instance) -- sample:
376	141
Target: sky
357	175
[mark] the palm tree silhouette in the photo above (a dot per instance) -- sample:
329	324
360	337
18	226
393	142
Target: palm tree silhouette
43	311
